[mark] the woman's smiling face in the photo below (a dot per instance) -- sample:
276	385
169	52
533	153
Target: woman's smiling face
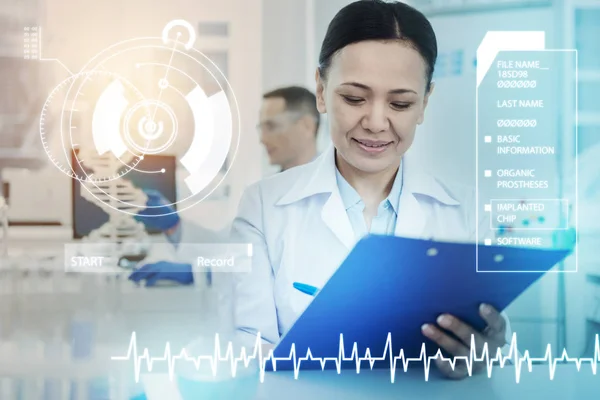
375	94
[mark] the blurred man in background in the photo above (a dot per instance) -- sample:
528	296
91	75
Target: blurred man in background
289	122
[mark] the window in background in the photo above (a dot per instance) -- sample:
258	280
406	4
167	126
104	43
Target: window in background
587	32
213	28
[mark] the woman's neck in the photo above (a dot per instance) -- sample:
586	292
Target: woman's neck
372	188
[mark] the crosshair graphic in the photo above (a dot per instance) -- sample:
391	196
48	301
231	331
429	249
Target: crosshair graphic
138	97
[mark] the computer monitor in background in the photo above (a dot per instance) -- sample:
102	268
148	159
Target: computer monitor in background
88	216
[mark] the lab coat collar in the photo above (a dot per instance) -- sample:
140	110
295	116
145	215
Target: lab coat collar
318	177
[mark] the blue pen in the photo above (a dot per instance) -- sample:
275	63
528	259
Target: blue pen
306	289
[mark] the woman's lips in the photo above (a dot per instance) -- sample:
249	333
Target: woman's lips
372	146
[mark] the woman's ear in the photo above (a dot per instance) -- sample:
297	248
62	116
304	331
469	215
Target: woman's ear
425	102
320	92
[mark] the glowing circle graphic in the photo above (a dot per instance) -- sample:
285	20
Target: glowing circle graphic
144	96
149	136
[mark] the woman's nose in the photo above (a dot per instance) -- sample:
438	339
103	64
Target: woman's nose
376	119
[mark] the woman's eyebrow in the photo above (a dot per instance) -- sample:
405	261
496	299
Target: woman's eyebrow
363	86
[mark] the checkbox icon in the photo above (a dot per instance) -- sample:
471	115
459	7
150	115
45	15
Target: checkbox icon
488	173
488	139
488	242
488	207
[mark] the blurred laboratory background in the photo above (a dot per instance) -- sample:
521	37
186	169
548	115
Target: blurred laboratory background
261	45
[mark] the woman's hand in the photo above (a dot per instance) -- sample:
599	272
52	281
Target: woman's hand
494	335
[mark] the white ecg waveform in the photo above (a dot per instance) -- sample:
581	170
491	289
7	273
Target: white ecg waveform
511	356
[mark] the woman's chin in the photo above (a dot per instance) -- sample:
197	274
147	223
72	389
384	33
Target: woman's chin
372	165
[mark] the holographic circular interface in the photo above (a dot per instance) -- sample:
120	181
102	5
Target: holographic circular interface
59	148
144	96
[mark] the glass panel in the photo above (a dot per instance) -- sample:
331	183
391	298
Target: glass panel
587	137
588	94
587	32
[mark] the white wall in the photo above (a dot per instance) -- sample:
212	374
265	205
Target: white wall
293	31
287	25
284	44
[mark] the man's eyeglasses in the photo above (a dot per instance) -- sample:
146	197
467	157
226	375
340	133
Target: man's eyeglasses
279	123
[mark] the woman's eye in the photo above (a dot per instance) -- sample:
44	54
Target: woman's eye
352	100
400	106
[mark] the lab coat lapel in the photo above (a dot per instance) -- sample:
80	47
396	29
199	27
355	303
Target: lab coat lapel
420	190
412	219
335	217
333	212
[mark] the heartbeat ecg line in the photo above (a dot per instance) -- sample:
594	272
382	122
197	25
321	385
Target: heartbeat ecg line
498	360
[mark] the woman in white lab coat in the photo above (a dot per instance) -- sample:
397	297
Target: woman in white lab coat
373	81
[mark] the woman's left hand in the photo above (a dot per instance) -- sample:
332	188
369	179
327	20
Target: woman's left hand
494	335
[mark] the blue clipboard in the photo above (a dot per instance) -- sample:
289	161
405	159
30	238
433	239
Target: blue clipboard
394	285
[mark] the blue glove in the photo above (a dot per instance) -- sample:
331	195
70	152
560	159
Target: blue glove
164	270
159	215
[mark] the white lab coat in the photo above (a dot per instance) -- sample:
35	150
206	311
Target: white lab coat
300	231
